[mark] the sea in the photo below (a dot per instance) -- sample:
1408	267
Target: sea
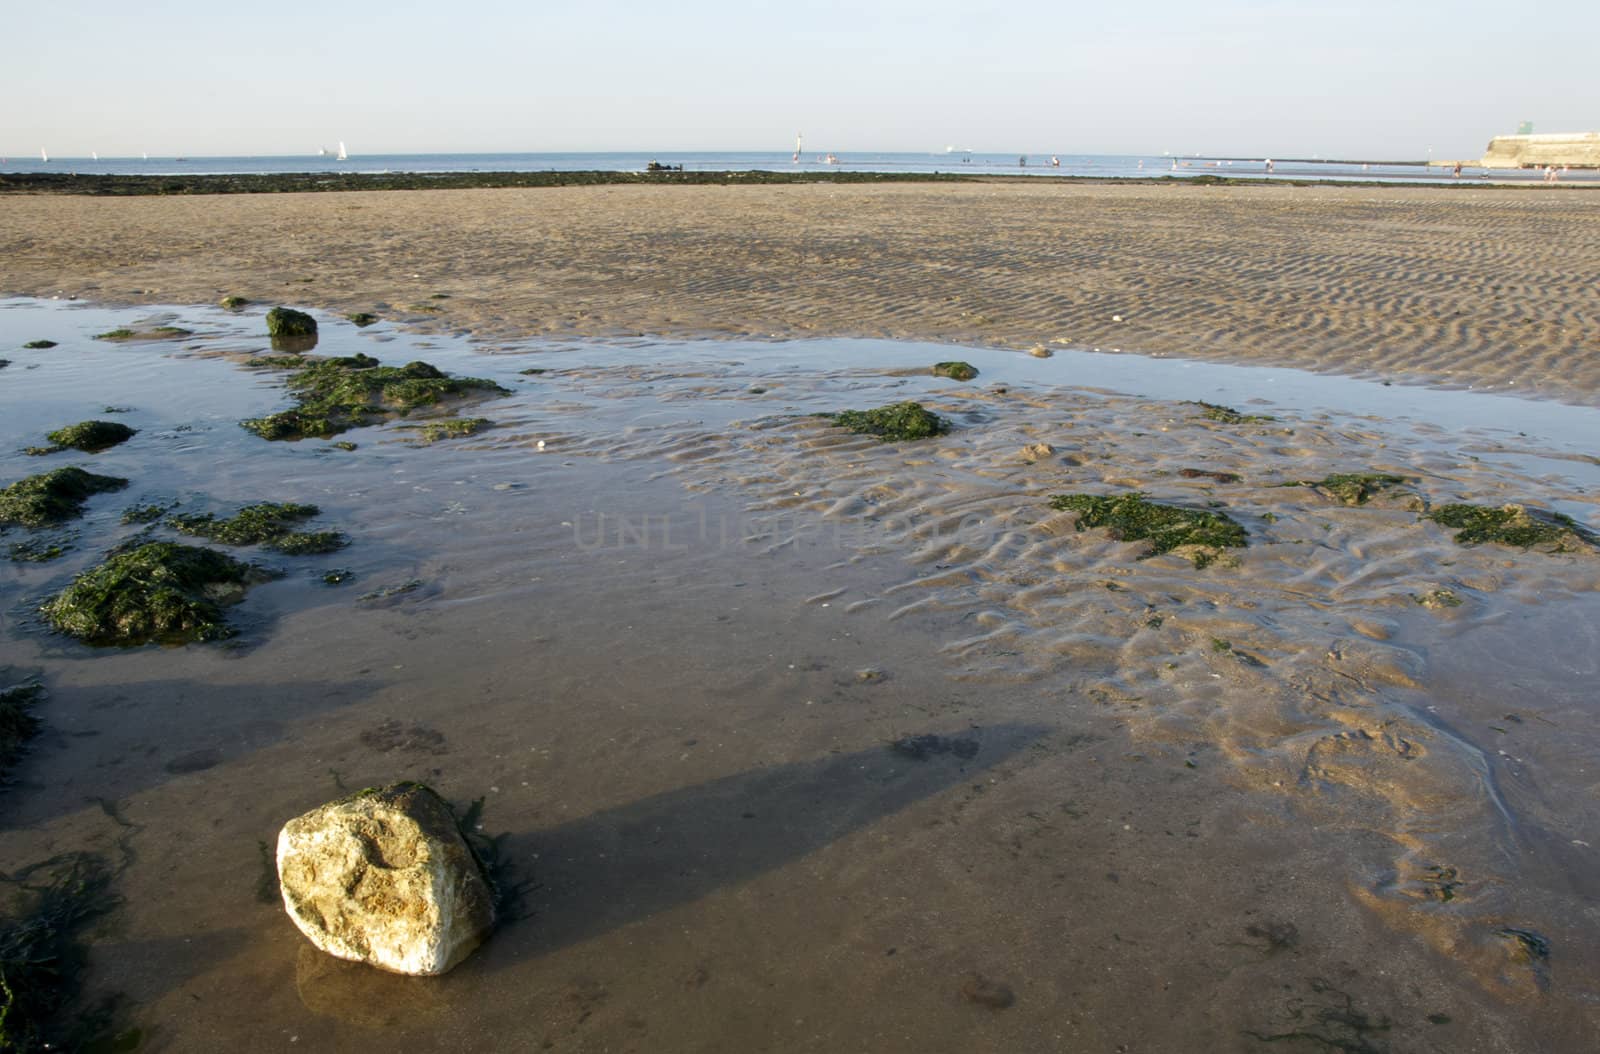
1043	166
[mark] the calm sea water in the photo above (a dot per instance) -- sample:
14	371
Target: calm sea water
1106	165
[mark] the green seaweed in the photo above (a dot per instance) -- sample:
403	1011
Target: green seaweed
895	423
1168	528
1228	415
1352	488
91	437
956	371
362	318
533	371
36	551
144	513
17	723
1514	525
277	362
123	333
287	322
233	303
454	428
343	393
43	958
159	591
266	524
39	345
52	497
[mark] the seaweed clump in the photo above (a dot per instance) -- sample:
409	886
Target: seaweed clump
39	345
287	322
454	428
1228	415
895	423
51	497
1516	526
91	437
267	524
362	319
158	591
343	393
43	959
233	303
1352	488
1200	535
155	333
956	371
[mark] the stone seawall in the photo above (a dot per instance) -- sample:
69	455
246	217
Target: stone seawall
1578	149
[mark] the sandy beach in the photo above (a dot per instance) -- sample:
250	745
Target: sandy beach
796	740
1475	286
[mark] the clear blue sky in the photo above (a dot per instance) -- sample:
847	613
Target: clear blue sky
1330	78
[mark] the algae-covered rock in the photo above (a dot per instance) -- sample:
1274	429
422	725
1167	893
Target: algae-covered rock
52	497
268	524
1352	488
40	345
384	877
123	333
1228	415
1515	525
91	437
4	363
362	319
956	371
287	322
1199	534
454	428
233	303
342	393
897	422
159	591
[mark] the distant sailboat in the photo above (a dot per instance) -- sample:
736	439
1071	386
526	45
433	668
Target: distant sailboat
44	156
796	157
322	151
147	155
342	155
94	155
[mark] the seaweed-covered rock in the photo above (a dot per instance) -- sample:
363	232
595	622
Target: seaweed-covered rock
897	422
342	393
266	523
454	428
362	319
233	303
384	877
1227	415
91	437
287	322
956	371
51	497
1199	534
1517	526
1352	488
159	591
40	345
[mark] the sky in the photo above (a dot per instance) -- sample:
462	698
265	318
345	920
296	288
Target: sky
1349	78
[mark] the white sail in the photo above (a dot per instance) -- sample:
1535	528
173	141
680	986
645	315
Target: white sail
342	155
94	155
796	158
44	156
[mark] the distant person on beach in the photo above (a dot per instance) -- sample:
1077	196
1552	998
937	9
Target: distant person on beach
1022	162
1269	164
1458	170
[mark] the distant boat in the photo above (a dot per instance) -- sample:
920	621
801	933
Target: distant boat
342	155
94	156
147	155
44	156
796	157
322	151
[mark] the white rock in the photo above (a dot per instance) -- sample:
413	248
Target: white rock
385	878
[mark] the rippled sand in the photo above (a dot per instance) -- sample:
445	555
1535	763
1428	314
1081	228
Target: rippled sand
1466	286
1277	800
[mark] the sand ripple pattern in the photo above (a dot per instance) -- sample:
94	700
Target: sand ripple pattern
1471	285
1302	668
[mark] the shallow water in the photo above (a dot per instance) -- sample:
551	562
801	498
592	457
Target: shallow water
671	649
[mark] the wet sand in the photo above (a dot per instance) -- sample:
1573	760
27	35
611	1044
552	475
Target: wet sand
1471	286
1277	803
